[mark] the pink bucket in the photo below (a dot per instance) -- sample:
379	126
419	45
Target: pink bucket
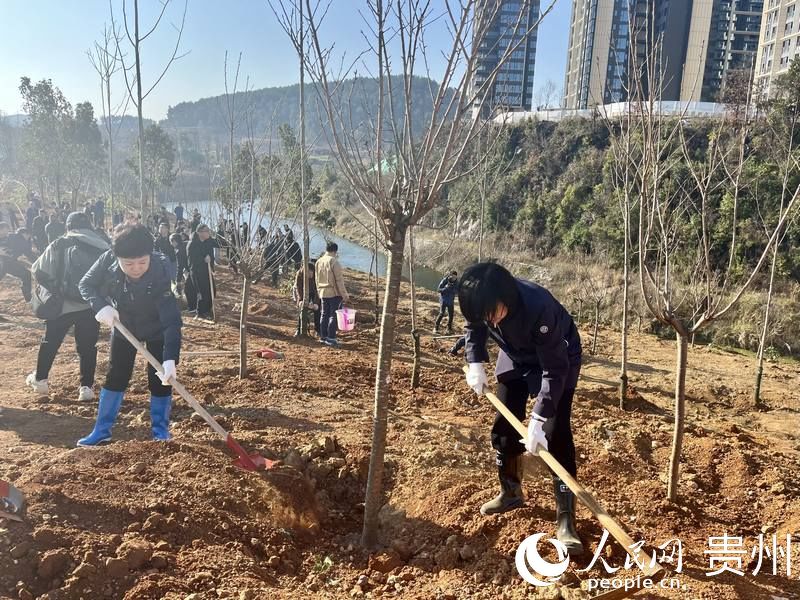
346	319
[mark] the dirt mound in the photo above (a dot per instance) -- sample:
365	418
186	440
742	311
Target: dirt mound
100	519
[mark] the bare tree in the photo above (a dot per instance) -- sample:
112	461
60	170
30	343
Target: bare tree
133	82
106	60
784	125
397	39
680	176
253	199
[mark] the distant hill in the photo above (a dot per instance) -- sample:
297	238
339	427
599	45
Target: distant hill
271	107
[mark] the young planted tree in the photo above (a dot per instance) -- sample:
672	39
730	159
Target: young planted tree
106	60
136	37
252	195
399	36
784	130
682	178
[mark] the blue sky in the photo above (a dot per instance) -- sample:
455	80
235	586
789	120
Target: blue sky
49	39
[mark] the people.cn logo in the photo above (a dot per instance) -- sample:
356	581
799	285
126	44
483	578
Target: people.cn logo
531	565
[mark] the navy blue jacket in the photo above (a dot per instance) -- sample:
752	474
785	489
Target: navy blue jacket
542	341
448	290
147	307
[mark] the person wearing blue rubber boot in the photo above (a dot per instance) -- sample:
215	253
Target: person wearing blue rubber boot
133	284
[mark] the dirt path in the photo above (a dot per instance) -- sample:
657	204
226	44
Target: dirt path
144	520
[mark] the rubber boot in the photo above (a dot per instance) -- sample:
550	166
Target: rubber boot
159	417
107	410
565	518
510	496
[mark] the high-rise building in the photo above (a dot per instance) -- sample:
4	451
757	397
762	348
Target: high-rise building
505	23
723	39
779	43
699	44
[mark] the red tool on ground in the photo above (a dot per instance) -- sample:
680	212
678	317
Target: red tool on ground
248	462
270	353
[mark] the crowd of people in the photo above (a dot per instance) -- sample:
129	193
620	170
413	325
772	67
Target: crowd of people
135	279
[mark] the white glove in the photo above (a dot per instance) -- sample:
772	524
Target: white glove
107	315
536	437
476	377
169	372
208	260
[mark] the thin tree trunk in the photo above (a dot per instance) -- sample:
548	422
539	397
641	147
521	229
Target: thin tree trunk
142	199
304	208
596	322
374	494
623	366
110	127
414	332
680	413
762	342
245	309
377	286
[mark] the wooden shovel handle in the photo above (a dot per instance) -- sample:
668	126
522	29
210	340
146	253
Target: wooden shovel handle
650	567
176	385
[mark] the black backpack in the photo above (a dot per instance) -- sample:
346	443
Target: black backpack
78	259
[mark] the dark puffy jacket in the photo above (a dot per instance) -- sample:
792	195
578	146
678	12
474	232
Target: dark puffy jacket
448	290
197	251
542	341
15	245
161	244
147	307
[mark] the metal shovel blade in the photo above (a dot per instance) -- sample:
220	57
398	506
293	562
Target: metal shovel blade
11	499
248	462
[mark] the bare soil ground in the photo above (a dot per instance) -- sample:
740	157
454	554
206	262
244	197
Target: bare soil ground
140	520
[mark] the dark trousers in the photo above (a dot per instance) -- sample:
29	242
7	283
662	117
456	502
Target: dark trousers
120	365
202	286
448	307
505	439
327	320
314	314
16	269
86	331
190	293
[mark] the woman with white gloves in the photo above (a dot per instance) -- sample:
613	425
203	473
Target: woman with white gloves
133	284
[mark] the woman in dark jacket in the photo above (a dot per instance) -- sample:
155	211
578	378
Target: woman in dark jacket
200	252
132	284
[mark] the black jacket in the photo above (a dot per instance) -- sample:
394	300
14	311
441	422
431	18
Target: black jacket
15	245
146	307
54	230
182	258
161	244
197	251
542	341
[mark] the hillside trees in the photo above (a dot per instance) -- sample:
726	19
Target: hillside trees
158	153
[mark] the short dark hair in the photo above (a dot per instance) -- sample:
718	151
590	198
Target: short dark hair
331	247
132	241
482	287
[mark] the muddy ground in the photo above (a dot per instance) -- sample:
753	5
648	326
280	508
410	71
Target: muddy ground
141	520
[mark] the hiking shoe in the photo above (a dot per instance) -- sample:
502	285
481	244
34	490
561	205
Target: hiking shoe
332	342
85	394
40	387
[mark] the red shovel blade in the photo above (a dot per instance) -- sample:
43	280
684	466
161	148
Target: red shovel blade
248	462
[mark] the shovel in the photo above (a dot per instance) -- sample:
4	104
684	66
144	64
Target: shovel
11	501
212	287
248	462
650	568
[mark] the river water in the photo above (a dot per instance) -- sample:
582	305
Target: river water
351	255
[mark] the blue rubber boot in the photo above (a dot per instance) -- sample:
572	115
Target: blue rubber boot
159	417
107	410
